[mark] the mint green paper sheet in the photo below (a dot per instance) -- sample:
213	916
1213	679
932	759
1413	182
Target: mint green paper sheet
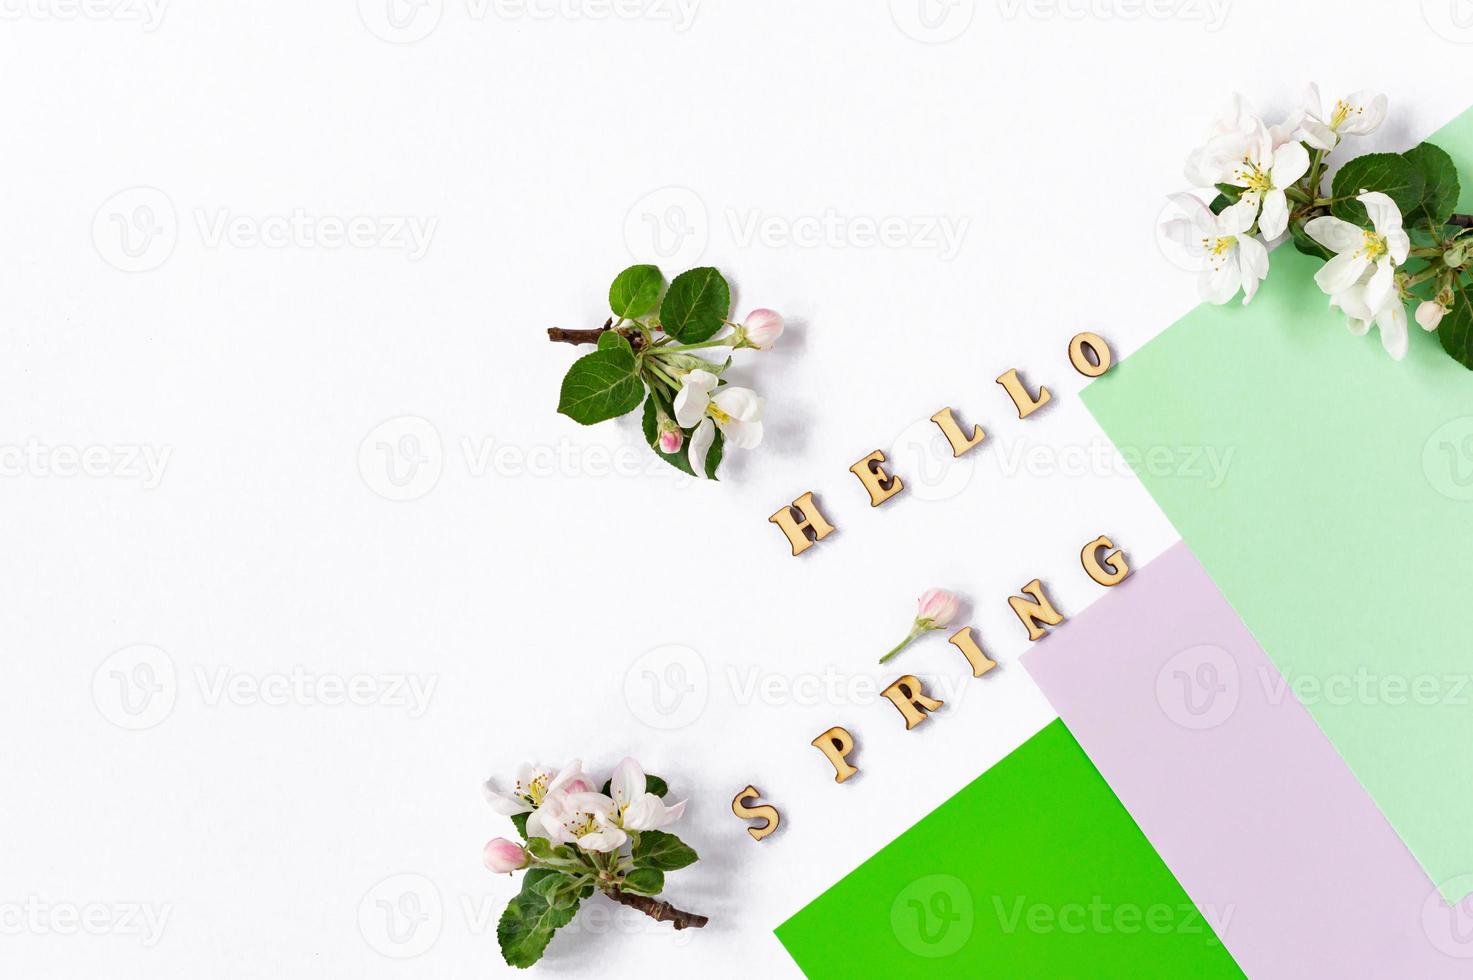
1343	531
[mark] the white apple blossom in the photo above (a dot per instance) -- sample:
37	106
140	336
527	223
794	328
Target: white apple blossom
1232	259
738	411
1357	250
1265	172
1389	316
585	819
1354	115
1232	134
635	808
533	785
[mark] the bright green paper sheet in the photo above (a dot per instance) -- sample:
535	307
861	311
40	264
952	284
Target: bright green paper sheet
1343	531
1033	870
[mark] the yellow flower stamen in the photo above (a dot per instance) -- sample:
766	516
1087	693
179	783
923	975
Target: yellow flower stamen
1373	246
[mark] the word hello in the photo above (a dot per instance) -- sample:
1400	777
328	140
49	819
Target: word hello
803	525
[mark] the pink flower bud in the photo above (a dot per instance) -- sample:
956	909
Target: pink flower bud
763	327
937	606
1429	314
504	857
579	785
670	441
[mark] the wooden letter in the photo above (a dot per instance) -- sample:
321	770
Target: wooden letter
1099	364
981	662
907	695
836	743
1018	392
881	485
959	443
802	532
1114	561
763	812
1039	610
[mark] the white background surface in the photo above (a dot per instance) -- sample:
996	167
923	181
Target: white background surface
530	580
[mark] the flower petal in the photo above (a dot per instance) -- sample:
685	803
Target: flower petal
1367	110
742	404
1393	323
1275	217
1253	265
693	397
1341	272
573	770
1385	215
1335	234
700	445
627	782
1378	289
743	435
1220	283
504	803
1291	161
1185	234
1317	134
1399	245
1238	218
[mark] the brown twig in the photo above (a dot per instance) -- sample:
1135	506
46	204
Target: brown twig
1461	220
658	910
560	336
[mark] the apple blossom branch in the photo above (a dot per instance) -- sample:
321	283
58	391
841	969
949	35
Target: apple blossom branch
658	910
559	335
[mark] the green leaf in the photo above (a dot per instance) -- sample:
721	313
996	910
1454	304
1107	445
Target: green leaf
602	385
644	881
563	855
562	890
1440	187
634	291
1230	191
1390	173
662	851
652	784
1306	244
713	455
690	362
613	340
695	305
1221	203
519	821
530	919
680	460
1456	330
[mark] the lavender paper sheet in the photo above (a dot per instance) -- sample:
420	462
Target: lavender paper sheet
1238	789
